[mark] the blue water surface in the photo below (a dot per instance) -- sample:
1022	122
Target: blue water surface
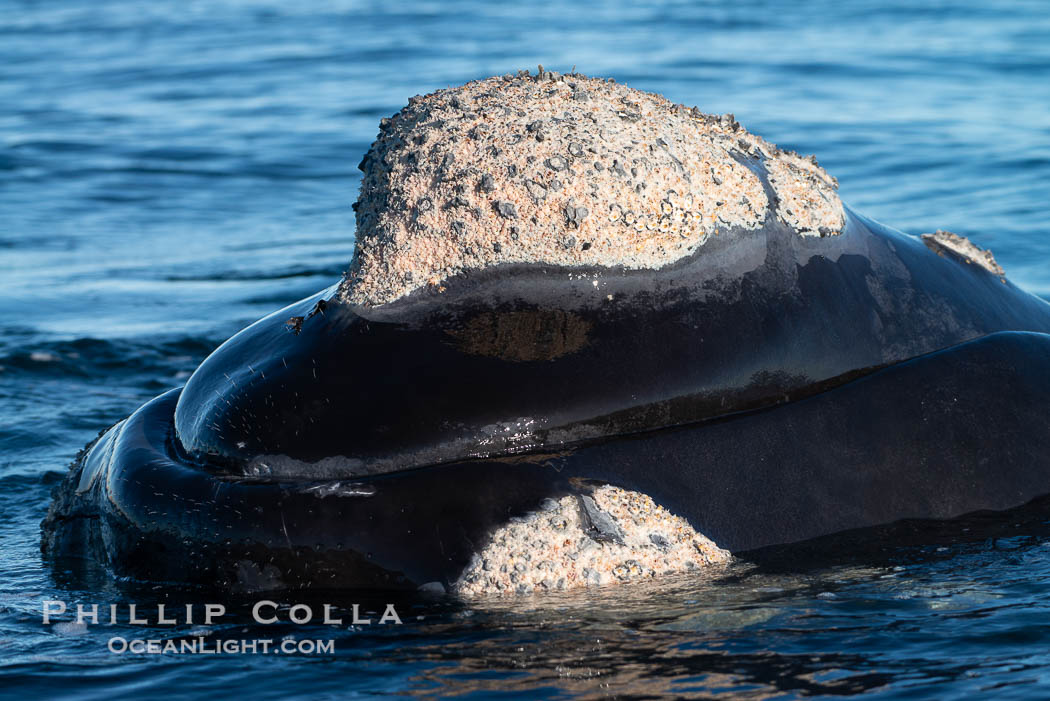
172	170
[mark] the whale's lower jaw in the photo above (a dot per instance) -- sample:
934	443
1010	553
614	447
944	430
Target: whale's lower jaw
130	503
939	436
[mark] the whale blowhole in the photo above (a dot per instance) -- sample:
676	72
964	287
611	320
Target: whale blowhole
564	170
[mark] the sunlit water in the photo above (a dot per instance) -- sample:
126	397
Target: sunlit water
170	171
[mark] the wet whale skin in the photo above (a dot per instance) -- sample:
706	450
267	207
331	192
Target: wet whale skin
770	388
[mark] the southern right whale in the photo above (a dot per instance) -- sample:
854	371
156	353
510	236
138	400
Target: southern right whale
587	335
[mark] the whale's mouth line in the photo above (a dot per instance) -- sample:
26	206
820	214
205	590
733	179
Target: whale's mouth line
281	469
286	470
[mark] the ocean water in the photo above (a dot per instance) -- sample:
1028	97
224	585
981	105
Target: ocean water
172	170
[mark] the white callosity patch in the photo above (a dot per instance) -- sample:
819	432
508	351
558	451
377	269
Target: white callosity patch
941	241
562	170
612	535
806	198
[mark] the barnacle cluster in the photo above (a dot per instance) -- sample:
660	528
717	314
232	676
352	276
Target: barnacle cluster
611	535
942	242
563	170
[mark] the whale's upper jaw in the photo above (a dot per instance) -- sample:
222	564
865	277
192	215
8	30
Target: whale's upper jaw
565	171
521	358
546	261
491	366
